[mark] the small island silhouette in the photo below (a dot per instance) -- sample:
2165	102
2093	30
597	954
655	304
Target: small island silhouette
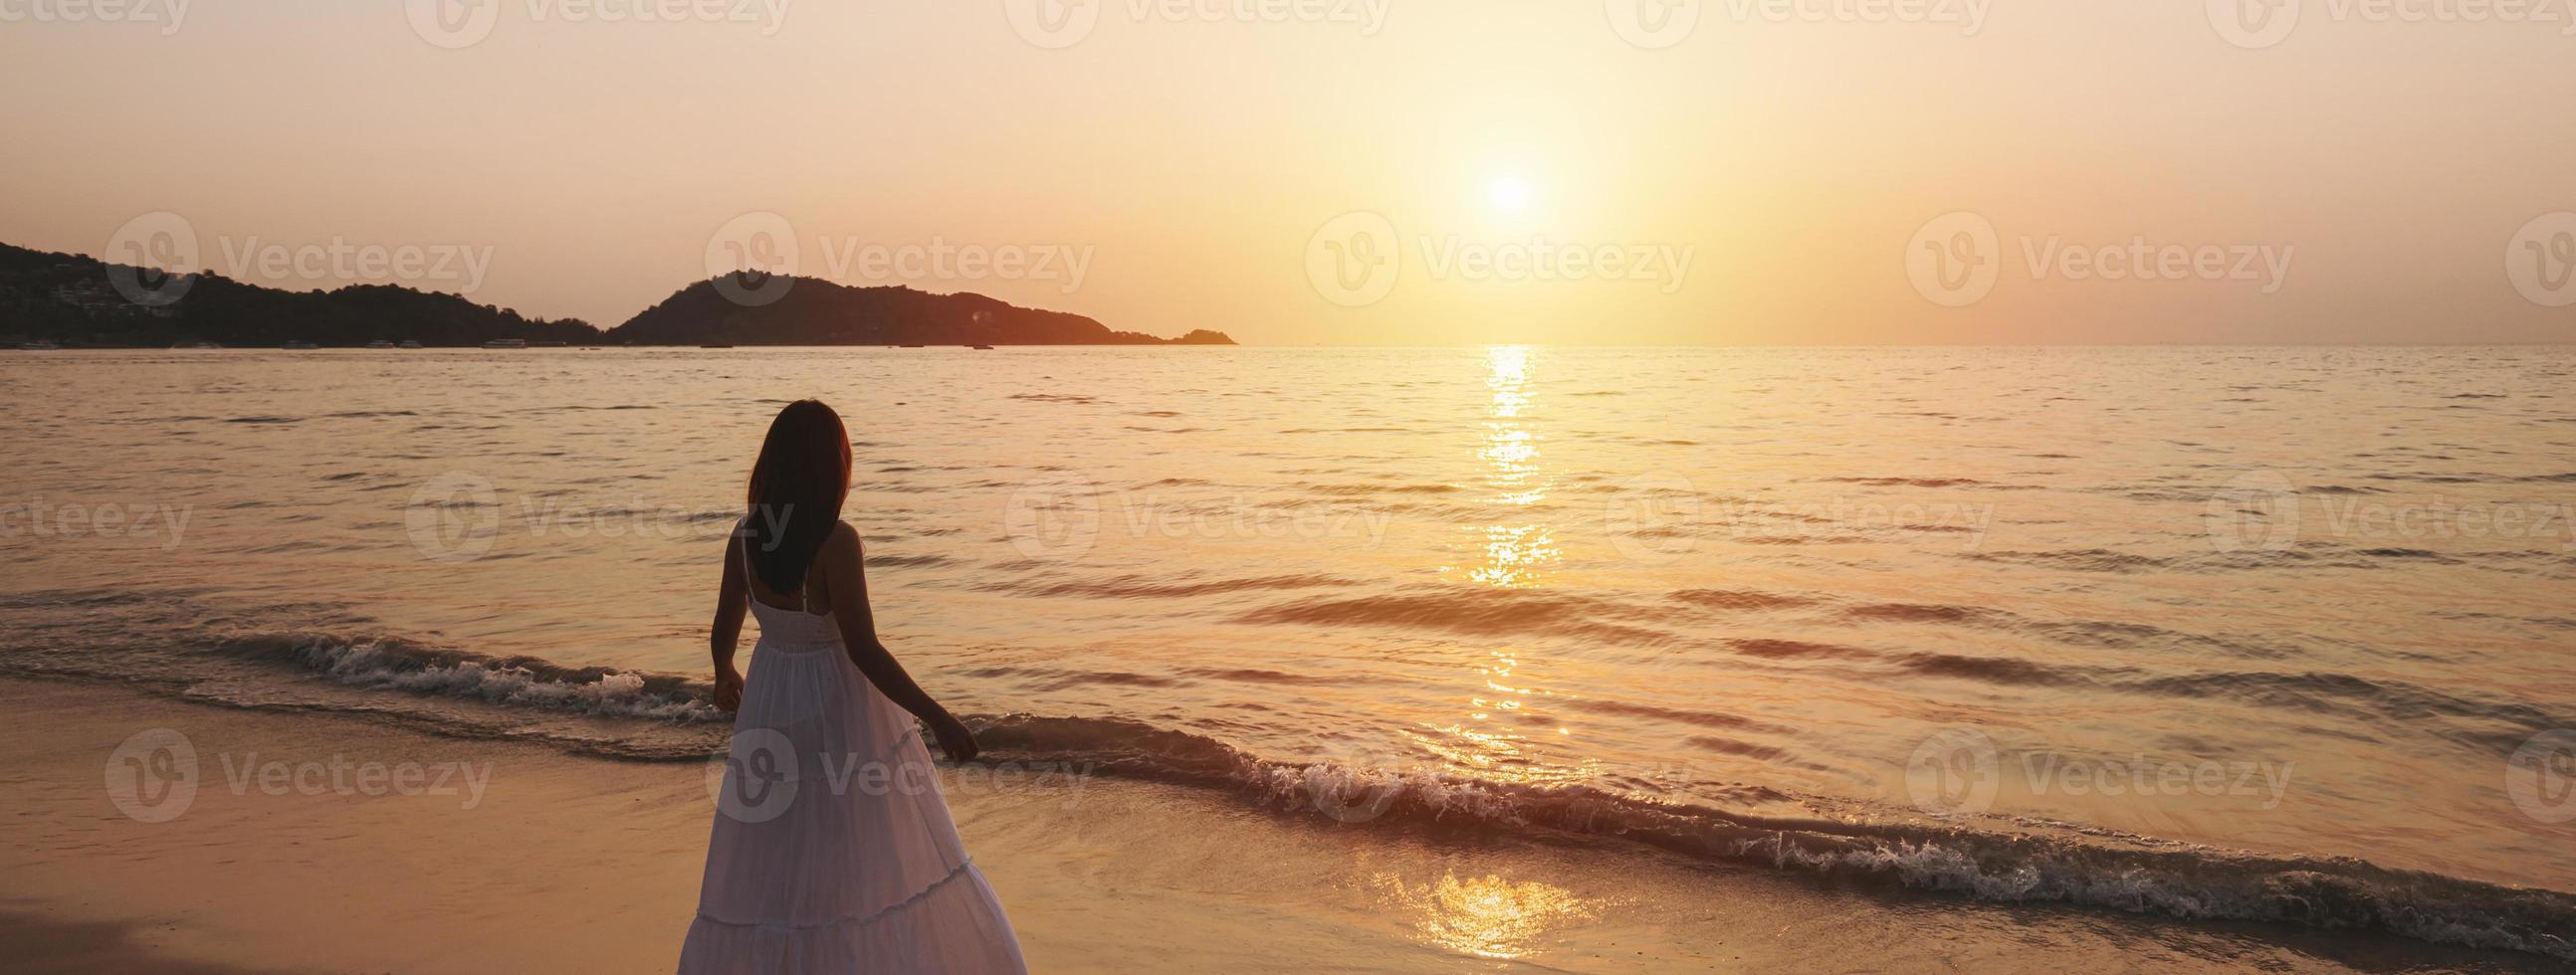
73	300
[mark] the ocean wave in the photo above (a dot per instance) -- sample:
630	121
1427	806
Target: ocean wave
1477	610
2010	864
1932	482
1740	599
394	664
1138	587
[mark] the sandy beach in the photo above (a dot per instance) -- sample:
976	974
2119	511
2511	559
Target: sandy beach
562	863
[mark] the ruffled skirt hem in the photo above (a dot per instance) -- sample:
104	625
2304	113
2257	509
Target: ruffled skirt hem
955	925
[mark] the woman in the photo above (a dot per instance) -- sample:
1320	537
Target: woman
832	849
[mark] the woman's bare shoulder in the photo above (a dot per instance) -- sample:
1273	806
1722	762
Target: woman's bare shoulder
845	538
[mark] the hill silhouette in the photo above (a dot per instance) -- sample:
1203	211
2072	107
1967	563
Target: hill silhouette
71	298
812	311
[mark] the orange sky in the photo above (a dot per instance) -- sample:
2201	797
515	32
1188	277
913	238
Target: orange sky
1355	171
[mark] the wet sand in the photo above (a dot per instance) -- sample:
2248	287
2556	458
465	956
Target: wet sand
564	863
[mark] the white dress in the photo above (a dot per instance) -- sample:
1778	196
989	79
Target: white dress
833	850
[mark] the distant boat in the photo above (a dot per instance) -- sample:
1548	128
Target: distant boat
299	346
409	344
506	344
986	348
39	345
207	345
712	345
380	344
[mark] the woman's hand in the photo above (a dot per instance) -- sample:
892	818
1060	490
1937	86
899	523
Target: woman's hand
953	737
728	689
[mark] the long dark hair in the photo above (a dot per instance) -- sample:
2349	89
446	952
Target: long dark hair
796	490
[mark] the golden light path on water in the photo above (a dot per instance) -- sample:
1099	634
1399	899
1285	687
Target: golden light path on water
1515	547
1517	544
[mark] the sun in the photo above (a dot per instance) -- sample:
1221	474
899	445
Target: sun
1510	194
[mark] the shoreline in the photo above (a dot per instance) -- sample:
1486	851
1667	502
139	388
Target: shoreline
558	861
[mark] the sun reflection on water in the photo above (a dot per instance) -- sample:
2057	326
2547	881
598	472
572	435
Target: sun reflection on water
1515	548
1516	544
1488	916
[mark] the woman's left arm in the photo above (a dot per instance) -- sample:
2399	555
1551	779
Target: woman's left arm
844	569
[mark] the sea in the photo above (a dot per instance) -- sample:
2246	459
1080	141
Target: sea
2279	635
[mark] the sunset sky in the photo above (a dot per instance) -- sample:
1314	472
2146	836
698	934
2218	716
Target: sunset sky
1762	173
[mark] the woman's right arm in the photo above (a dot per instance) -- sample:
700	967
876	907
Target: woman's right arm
732	600
844	570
